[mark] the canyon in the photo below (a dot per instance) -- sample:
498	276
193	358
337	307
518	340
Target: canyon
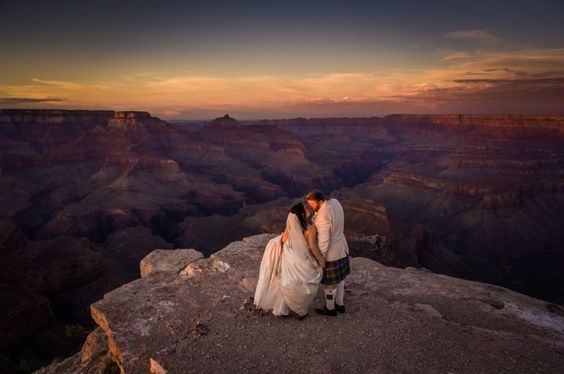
87	194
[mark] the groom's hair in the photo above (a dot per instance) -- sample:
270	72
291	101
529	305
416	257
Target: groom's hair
315	195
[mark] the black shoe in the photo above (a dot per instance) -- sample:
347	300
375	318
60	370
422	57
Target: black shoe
340	308
326	312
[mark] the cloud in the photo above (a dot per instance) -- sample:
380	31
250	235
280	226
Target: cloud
468	81
486	96
554	81
479	35
525	74
27	100
61	84
457	56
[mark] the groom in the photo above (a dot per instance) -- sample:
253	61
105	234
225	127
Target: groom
329	220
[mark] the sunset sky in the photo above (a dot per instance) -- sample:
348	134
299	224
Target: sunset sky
258	59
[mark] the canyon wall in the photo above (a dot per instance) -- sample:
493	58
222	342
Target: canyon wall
87	194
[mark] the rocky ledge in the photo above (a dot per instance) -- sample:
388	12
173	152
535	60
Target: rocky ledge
192	314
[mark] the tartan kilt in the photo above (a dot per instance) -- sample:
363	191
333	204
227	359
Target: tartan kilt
336	271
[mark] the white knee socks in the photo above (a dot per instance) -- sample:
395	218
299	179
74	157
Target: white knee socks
330	299
340	293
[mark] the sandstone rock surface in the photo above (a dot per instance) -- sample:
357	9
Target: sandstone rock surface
203	320
167	260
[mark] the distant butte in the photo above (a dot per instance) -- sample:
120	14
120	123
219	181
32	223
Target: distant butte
87	194
225	121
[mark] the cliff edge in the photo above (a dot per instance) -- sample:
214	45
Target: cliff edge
193	314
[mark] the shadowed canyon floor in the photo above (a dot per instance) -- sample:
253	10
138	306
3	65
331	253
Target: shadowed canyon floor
87	194
196	315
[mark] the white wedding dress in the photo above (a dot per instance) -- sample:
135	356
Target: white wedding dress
289	277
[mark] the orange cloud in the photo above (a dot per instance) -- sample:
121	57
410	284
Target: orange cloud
463	80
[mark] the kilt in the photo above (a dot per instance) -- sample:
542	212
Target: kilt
336	271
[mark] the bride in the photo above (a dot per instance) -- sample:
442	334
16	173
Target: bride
289	275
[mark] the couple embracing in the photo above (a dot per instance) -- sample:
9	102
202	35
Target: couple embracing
309	251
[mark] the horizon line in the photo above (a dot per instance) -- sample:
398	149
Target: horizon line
164	118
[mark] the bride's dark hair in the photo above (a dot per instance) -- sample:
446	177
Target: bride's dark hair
299	211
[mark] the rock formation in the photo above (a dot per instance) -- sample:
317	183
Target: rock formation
202	319
478	197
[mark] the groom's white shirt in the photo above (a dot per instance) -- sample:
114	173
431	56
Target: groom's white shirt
330	223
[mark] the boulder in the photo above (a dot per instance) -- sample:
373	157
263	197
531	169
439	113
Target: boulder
397	320
168	260
95	345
